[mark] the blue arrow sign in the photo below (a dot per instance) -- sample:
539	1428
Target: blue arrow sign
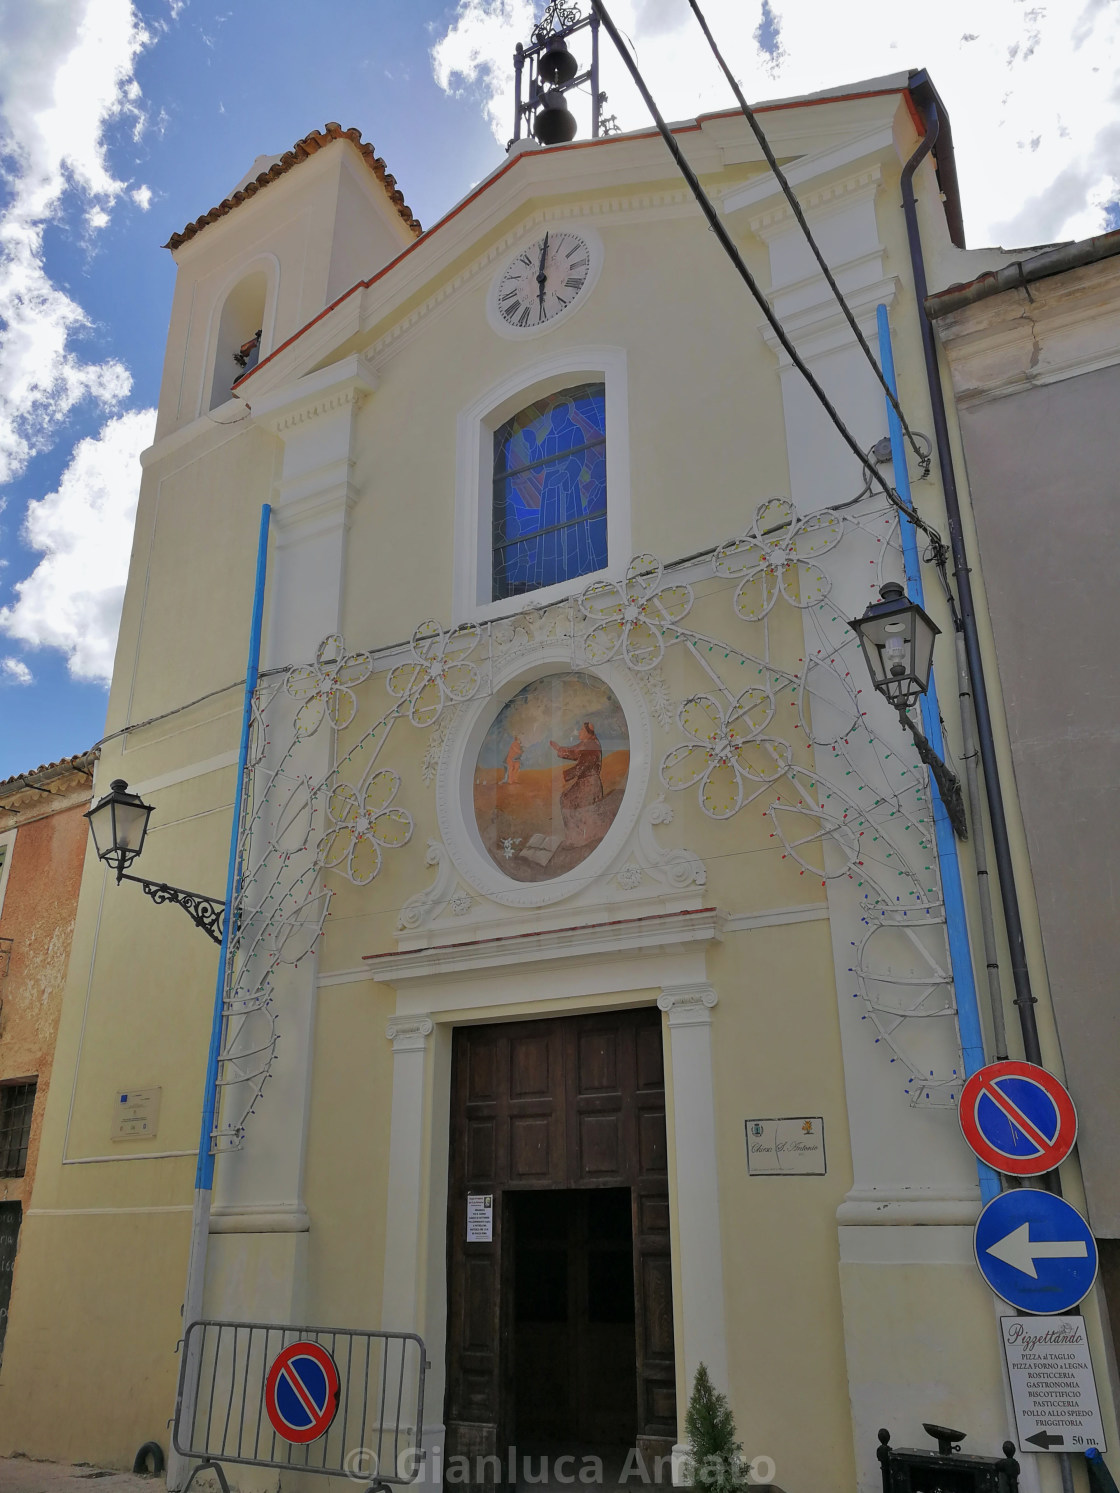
1035	1251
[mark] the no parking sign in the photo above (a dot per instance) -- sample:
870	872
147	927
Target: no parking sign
301	1392
1018	1118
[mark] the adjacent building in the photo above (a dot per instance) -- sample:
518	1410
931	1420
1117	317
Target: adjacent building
42	850
590	1011
1033	350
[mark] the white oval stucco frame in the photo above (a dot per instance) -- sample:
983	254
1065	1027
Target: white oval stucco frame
455	779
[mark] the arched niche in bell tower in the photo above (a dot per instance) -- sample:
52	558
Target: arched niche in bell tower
237	345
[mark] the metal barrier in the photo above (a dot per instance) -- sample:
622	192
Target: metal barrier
349	1404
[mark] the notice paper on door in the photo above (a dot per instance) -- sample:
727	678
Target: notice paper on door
480	1218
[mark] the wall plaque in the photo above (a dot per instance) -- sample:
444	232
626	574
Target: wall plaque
135	1114
791	1147
480	1218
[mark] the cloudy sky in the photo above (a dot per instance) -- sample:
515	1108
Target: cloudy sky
120	120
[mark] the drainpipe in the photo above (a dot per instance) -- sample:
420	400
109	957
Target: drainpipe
1020	974
956	923
979	846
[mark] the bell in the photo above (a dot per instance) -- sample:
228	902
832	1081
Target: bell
555	122
557	66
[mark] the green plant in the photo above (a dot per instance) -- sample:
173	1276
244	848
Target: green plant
717	1458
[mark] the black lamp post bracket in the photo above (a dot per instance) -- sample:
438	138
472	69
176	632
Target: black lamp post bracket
207	913
948	784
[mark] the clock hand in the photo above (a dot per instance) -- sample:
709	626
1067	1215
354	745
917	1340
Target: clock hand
542	278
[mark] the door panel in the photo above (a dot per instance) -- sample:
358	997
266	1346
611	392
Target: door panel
11	1215
572	1103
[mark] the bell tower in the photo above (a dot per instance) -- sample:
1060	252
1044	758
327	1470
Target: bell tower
297	232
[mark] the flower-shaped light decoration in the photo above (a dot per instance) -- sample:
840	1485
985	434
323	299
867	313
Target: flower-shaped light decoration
631	617
437	673
361	823
325	686
773	557
727	752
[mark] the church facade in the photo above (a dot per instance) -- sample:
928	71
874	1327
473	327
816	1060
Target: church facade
591	1012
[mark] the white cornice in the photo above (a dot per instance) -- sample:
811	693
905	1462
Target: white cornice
779	219
808	168
733	922
823	327
649	936
218	430
344	383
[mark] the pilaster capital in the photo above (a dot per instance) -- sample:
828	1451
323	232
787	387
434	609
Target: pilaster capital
409	1033
688	1005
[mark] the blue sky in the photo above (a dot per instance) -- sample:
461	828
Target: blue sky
120	120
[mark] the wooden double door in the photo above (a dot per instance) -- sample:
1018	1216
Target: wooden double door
560	1326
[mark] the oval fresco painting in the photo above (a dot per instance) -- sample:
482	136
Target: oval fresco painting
550	775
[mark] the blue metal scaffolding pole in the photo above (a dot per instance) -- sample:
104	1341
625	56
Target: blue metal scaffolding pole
960	954
177	1466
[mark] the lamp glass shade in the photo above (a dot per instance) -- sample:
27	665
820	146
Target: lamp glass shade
119	823
897	636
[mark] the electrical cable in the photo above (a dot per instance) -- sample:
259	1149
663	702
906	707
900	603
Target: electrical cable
178	710
729	247
748	112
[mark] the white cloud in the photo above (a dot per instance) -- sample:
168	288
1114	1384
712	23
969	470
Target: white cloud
15	671
1026	86
72	600
476	55
142	197
65	73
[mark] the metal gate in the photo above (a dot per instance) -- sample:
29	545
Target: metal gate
227	1381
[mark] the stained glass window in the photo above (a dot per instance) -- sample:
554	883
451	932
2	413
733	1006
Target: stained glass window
550	491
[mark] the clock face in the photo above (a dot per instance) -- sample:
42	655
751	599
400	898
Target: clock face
543	281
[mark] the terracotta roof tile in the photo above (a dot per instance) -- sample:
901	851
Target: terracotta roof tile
80	762
308	146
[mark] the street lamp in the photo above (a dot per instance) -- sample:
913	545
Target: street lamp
119	825
896	636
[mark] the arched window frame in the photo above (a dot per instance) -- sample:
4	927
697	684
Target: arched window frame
472	598
269	265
